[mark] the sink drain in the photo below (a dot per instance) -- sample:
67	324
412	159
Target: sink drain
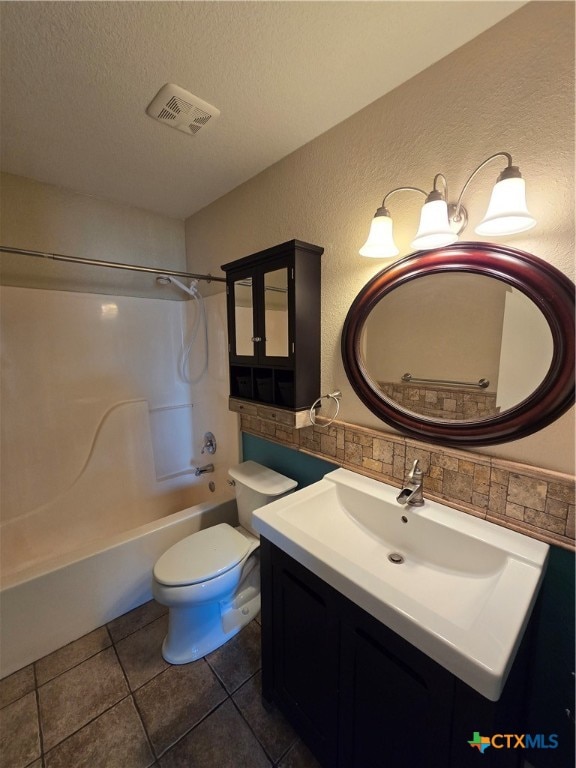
396	558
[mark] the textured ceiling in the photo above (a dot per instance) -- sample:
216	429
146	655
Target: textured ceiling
77	78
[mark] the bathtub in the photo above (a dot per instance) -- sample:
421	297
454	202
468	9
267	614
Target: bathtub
56	601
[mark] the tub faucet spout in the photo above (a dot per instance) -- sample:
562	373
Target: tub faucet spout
203	470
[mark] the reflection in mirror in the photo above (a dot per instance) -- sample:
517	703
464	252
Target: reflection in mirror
276	312
456	327
244	316
404	320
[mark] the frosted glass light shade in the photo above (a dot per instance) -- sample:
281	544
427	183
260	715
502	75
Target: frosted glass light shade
507	211
380	243
434	230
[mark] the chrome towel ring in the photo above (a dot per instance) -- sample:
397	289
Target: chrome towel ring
336	395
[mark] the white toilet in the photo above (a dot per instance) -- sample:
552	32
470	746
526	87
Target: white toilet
211	580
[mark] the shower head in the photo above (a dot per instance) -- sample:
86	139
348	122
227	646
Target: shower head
166	280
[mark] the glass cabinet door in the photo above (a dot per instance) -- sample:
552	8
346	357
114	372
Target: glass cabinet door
244	317
276	313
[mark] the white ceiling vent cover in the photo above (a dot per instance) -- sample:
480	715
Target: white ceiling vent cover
179	109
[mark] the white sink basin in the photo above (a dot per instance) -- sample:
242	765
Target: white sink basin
463	592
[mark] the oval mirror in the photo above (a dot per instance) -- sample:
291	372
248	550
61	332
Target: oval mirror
466	345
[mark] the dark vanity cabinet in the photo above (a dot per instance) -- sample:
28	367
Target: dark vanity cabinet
273	300
361	696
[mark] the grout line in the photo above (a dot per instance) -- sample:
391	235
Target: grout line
155	756
154	676
69	669
196	724
86	724
290	746
143	685
161	754
133	632
148	739
270	758
37	697
237	688
218	677
33	761
125	676
268	755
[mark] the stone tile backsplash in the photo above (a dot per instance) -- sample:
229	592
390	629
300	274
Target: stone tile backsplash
537	502
441	402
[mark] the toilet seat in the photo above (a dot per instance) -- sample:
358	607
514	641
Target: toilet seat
202	556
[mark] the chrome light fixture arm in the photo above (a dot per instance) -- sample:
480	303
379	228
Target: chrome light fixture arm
435	185
456	215
402	189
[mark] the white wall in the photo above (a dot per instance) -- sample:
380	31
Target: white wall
210	392
527	350
511	89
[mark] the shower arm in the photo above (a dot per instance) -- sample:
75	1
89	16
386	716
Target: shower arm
112	264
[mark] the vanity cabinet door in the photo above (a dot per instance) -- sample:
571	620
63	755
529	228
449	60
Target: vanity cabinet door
395	702
305	656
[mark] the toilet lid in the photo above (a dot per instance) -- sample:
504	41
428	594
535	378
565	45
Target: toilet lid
201	556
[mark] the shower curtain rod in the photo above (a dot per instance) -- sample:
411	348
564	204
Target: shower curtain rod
113	264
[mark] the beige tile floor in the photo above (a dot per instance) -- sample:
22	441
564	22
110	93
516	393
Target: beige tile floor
109	700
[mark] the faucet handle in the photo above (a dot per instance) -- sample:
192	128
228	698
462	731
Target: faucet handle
209	443
415	472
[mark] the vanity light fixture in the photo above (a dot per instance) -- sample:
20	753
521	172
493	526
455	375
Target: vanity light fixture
441	222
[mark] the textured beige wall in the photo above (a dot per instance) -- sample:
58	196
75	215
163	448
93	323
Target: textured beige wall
43	217
511	89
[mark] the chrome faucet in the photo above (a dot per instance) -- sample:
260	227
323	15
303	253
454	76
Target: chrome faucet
411	493
203	470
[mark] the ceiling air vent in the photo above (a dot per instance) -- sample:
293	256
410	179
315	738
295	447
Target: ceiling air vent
179	109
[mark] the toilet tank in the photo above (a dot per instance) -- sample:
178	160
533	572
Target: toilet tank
257	485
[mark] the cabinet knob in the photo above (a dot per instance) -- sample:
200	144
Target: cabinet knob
256	338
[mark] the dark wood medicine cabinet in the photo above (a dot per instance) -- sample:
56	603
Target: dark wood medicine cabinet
273	304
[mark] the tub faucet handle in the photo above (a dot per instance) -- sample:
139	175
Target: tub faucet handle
209	443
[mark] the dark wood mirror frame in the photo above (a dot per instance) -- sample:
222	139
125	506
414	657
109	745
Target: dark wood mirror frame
550	290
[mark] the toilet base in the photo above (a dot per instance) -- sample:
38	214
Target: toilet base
196	631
